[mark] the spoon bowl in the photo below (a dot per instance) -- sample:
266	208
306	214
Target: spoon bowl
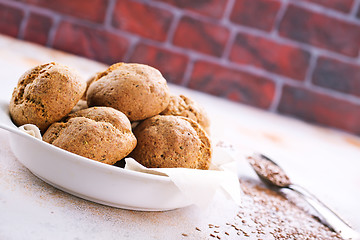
269	171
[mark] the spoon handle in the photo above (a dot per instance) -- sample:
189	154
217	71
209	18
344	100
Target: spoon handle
329	218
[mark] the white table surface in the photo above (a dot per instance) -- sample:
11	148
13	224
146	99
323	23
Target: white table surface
325	161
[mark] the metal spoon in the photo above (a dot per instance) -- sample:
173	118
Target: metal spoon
273	175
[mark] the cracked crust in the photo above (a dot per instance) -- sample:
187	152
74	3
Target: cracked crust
99	133
45	94
171	142
184	106
137	90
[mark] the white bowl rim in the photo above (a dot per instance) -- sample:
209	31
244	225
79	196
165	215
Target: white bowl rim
74	157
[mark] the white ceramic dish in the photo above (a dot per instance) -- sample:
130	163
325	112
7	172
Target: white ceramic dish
91	180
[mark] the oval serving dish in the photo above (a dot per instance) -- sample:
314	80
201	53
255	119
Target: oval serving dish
91	180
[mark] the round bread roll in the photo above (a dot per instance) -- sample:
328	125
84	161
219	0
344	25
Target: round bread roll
45	94
137	90
99	133
172	142
184	106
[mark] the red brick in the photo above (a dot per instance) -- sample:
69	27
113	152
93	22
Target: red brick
172	65
93	10
259	14
232	84
37	28
10	20
211	8
90	42
320	109
271	56
337	75
339	5
321	31
204	37
142	19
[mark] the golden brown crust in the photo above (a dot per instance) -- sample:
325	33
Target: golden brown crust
172	141
205	149
186	107
45	94
137	90
100	133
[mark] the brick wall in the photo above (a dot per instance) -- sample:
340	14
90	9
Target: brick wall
294	57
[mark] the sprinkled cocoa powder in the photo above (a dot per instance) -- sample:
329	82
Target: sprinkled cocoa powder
269	170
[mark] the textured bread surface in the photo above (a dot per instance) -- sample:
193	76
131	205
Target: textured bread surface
45	94
170	142
99	133
137	90
186	107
